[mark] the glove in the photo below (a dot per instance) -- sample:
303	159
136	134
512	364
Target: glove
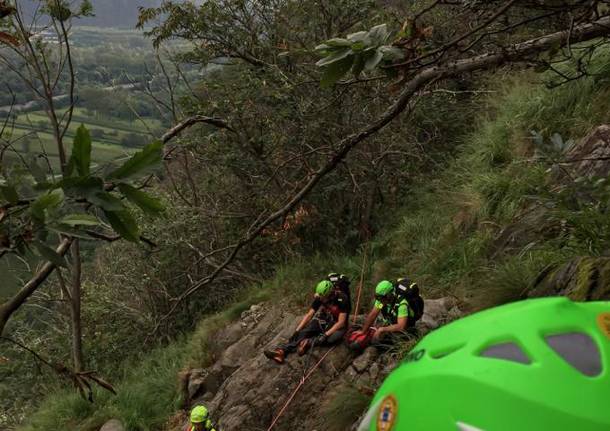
320	339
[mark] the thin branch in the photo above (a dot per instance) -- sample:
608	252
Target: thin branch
423	78
10	306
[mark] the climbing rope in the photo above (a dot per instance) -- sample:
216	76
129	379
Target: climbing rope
364	264
299	386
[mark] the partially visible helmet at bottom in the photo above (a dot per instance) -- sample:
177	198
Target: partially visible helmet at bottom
531	365
199	414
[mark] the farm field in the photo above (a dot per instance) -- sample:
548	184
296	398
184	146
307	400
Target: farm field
112	138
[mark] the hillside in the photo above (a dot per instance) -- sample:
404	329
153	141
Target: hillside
175	223
514	253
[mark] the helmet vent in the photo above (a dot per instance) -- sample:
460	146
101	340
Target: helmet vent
579	350
508	351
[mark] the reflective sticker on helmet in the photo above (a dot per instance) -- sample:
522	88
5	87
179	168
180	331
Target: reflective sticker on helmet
387	414
603	320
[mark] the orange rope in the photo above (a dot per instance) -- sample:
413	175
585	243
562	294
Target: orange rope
299	386
361	284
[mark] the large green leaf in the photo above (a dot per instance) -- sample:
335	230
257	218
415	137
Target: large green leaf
82	186
81	151
124	224
359	62
141	161
68	230
147	203
334	72
49	254
79	220
9	193
378	34
334	57
46	201
106	201
392	53
374	60
338	42
360	36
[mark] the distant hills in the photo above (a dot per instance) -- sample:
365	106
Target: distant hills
108	13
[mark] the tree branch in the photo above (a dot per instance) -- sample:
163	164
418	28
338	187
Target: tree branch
191	121
10	306
426	76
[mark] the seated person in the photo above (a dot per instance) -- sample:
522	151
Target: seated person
325	323
399	305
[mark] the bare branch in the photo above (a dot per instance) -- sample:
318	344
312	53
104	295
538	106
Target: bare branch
426	76
189	122
10	306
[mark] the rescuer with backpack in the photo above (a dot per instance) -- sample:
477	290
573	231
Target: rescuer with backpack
399	306
325	323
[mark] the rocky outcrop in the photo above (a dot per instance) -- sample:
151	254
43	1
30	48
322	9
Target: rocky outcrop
590	157
581	279
113	425
244	390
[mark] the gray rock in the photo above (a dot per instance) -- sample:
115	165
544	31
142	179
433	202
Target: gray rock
455	313
113	425
351	374
363	361
196	381
374	371
244	390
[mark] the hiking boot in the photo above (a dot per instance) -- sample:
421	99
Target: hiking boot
304	346
276	355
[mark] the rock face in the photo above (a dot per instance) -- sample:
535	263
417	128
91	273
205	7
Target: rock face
591	156
244	390
581	279
113	425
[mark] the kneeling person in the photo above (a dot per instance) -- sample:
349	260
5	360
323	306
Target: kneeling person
325	323
399	305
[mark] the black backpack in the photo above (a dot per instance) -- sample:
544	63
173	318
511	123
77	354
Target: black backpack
340	282
405	289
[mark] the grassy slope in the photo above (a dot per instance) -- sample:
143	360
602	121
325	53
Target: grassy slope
442	238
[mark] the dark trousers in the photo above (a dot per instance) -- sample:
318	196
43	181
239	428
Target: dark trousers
311	330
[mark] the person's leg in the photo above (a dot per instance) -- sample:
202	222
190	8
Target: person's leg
336	337
312	329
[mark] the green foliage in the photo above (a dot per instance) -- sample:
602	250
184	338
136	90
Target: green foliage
582	209
361	51
346	405
450	236
59	10
148	204
81	153
73	202
148	395
124	224
142	161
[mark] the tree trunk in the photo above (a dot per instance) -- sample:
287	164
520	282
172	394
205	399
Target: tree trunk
75	303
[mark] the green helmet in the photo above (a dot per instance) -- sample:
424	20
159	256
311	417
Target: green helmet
531	365
324	287
384	288
199	414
